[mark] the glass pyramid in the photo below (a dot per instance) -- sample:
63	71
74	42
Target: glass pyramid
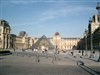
43	43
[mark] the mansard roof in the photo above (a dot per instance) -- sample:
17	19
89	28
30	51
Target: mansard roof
4	23
57	33
22	33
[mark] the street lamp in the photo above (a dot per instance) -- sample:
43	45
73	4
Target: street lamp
55	52
56	45
98	8
91	43
85	35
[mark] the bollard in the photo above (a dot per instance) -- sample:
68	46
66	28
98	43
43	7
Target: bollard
37	58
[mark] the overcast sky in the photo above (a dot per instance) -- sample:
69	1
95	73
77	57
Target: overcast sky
45	17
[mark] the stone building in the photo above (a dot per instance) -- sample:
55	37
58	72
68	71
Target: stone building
64	43
61	43
5	34
12	41
92	27
92	37
23	41
96	38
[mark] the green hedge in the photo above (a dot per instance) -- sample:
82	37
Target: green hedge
4	52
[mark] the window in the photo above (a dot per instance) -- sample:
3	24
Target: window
93	18
0	30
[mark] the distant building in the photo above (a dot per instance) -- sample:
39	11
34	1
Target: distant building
64	43
61	43
12	41
23	41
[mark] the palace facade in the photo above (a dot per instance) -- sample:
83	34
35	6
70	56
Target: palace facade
12	41
91	40
58	42
23	41
64	43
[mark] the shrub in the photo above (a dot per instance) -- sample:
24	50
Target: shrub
4	52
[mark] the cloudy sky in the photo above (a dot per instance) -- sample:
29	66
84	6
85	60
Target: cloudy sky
45	17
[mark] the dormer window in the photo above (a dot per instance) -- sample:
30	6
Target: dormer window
0	30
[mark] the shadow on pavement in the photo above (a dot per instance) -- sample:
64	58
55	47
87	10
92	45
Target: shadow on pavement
89	70
93	70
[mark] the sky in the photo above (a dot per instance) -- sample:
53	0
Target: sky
46	17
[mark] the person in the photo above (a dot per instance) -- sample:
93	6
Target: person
93	52
82	52
79	51
23	50
58	51
45	50
72	53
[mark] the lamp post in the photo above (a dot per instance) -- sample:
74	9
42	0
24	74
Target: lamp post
99	53
91	39
55	52
98	8
85	35
56	45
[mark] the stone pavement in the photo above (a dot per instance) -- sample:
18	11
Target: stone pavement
25	64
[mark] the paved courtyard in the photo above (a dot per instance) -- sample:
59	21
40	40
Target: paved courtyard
25	63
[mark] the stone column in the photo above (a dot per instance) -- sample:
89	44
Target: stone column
5	40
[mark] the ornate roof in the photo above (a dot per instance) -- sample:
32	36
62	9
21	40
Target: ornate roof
57	33
22	33
4	23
